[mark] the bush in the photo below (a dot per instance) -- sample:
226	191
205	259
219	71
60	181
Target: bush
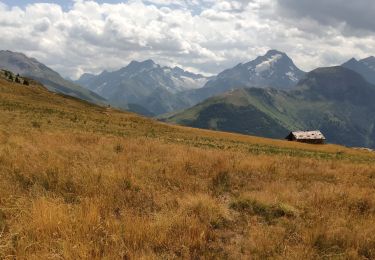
119	148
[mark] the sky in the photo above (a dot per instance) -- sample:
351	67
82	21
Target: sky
205	36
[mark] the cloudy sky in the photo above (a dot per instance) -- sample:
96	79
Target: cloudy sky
204	36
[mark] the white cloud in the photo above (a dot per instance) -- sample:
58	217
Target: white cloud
205	35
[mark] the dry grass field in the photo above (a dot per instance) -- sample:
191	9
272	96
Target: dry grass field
79	181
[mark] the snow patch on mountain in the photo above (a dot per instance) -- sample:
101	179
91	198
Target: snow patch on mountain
292	76
167	70
274	69
267	64
182	83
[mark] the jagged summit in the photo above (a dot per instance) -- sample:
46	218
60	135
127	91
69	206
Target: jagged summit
365	67
140	66
148	62
274	69
274	52
145	83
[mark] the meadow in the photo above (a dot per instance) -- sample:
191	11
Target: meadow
79	181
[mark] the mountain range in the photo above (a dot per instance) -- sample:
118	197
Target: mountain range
29	67
161	89
146	84
336	100
268	96
274	69
365	67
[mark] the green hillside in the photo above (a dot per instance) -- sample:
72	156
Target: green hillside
335	100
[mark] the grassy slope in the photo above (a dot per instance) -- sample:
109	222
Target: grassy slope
271	106
274	114
80	181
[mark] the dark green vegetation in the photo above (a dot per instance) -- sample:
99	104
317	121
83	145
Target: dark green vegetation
29	67
335	100
11	77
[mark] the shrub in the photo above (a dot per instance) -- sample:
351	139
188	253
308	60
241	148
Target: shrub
119	148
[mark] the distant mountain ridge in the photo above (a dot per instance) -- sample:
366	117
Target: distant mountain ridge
163	89
336	100
274	69
150	89
365	67
29	67
146	84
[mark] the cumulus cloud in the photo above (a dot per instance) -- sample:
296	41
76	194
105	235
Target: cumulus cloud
202	35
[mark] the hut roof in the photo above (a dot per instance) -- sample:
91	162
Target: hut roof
308	135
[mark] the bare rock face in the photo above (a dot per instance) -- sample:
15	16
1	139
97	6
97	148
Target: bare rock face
146	84
273	70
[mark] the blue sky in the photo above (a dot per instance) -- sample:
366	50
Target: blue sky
22	3
205	36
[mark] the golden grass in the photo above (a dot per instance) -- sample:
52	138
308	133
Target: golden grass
83	182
